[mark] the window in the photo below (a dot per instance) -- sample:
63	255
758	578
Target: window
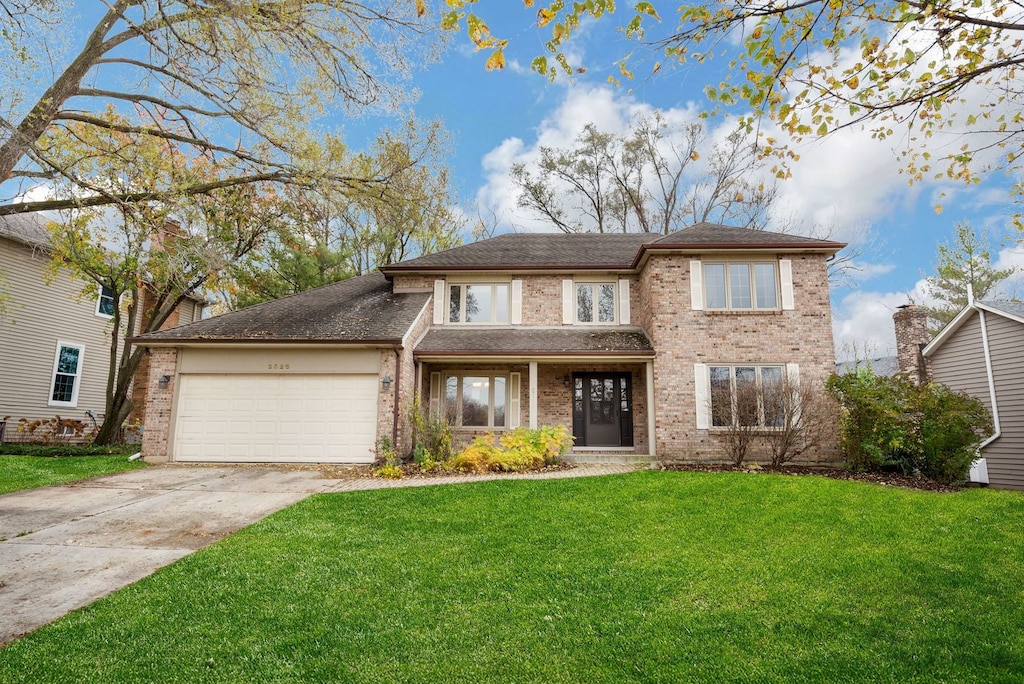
595	302
476	400
483	303
67	374
746	395
741	285
105	303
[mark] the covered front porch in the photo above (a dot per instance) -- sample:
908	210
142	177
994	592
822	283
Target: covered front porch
603	395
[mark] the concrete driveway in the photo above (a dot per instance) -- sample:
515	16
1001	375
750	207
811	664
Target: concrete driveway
66	546
63	547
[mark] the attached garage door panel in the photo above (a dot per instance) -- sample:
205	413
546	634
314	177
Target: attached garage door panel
277	418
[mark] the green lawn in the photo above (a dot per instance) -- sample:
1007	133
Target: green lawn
648	577
26	472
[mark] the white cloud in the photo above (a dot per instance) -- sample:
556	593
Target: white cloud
862	321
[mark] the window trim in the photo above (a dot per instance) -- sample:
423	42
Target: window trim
614	284
99	301
758	368
752	282
454	411
493	285
77	376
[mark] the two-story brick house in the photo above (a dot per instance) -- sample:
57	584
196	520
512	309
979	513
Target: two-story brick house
621	337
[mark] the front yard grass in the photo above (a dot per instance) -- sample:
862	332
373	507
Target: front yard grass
648	577
27	472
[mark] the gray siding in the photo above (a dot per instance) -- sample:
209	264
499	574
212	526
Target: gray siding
40	314
1005	456
960	364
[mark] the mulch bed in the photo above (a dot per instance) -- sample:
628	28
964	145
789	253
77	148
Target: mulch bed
885	479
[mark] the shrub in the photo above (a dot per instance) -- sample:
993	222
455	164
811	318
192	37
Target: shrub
52	431
433	438
891	423
518	450
390	472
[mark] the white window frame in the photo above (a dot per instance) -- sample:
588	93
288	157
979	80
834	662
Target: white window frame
751	274
454	411
99	301
462	302
594	284
784	376
77	376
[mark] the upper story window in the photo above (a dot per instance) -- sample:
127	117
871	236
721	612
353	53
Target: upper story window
478	303
741	285
67	374
595	302
105	303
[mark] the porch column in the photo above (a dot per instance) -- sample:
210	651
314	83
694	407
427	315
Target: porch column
533	395
651	441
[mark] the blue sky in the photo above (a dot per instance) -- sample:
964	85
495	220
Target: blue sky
847	181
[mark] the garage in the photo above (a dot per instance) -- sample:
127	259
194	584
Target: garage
281	406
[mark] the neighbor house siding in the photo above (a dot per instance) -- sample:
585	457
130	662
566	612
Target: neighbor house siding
39	314
959	363
1005	456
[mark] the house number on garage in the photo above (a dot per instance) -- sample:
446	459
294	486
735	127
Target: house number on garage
278	366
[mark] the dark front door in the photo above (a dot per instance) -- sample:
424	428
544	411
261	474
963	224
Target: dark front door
602	409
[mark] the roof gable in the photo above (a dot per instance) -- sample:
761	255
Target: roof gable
1013	311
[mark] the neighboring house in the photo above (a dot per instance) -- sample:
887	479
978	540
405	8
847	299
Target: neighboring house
620	337
54	342
980	352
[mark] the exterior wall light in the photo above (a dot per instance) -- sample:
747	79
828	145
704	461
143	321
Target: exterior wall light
386	382
164	381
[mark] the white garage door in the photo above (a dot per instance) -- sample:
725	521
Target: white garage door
276	418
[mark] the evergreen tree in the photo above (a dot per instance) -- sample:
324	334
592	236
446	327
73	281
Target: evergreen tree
966	261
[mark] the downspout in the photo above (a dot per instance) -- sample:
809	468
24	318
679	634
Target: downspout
991	384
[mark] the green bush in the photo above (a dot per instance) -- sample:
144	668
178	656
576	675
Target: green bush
890	423
433	438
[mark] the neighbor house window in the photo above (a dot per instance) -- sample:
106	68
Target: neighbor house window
476	401
105	303
741	285
67	374
595	302
746	395
478	303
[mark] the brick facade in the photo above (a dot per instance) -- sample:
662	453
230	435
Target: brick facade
160	405
683	337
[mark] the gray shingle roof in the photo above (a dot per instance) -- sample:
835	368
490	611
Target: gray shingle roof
530	342
360	310
717	235
881	366
1015	309
525	251
29	229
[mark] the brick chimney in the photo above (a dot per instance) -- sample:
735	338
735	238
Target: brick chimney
912	335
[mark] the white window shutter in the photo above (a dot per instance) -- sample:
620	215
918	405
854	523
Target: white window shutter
516	315
786	278
702	393
438	302
568	303
793	373
793	378
624	312
435	395
514	384
696	285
